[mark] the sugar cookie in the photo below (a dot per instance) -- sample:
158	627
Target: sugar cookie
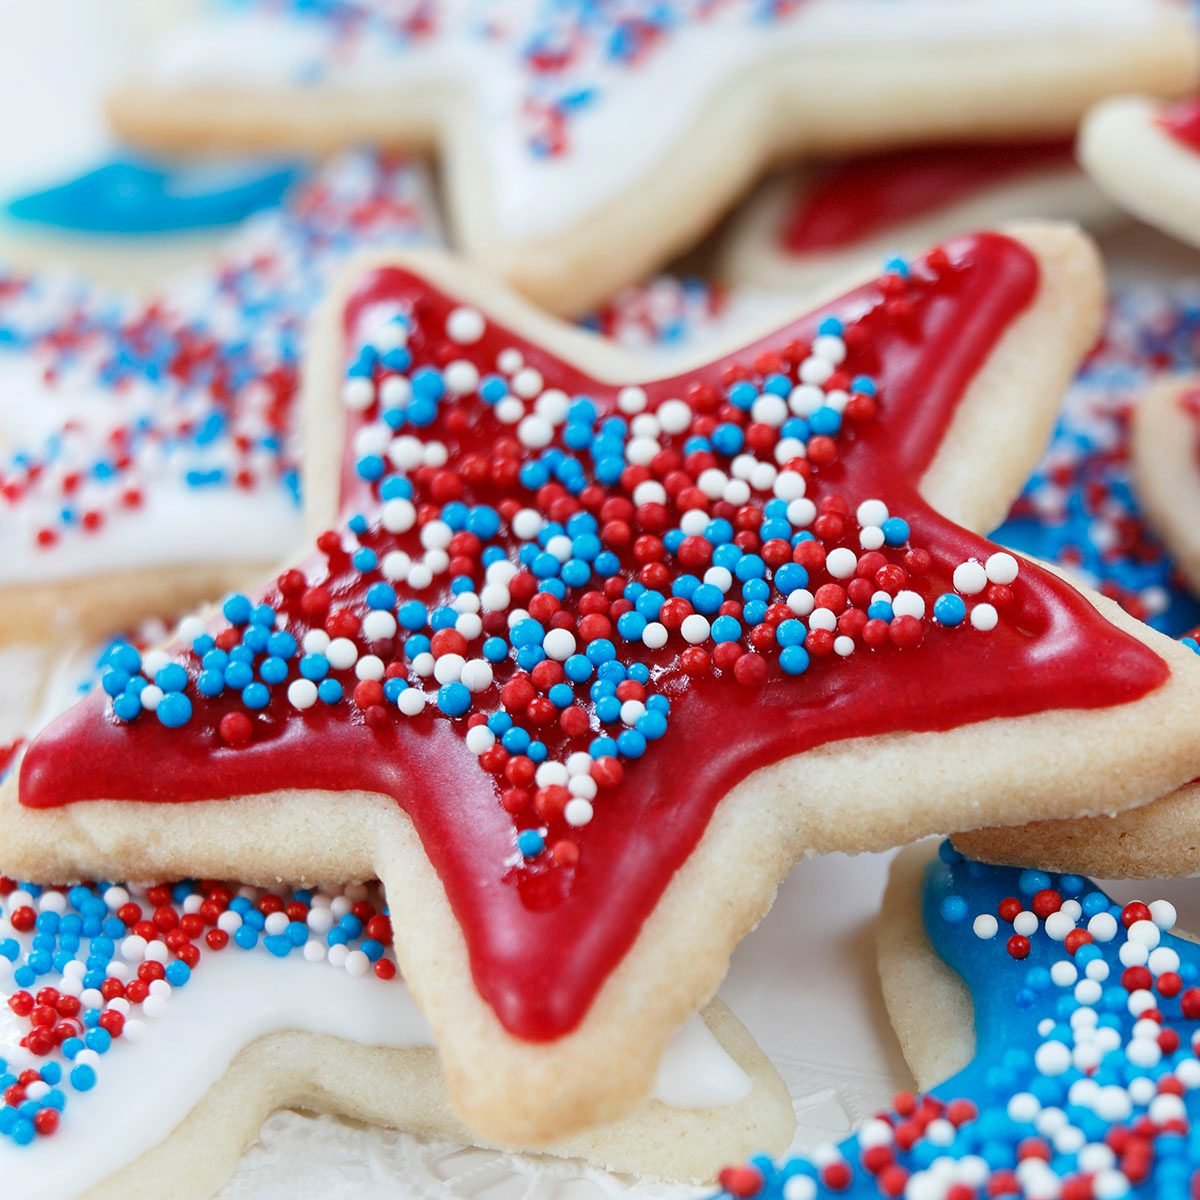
1069	1025
816	222
584	146
149	457
186	1014
1146	156
485	642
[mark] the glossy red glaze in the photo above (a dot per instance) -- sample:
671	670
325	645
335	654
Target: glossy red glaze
1182	121
862	197
543	937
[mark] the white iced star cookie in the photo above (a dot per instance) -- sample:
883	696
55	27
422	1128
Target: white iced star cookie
148	443
583	145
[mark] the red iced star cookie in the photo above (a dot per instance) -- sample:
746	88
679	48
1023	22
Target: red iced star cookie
819	221
588	662
1146	156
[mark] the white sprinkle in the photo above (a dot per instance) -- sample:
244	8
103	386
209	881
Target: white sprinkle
399	515
1052	1058
578	811
448	668
528	383
909	604
395	391
357	963
527	524
461	377
535	432
465	325
358	393
674	415
1001	568
984	618
822	618
510	360
479	739
801	602
1025	923
790	485
559	644
302	693
631	400
841	562
970	578
1144	933
342	654
871	512
377	625
477	675
654	636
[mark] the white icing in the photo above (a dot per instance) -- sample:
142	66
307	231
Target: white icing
282	259
183	526
695	1071
22	668
145	1089
639	113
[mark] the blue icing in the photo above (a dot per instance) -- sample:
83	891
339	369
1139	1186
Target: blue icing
1067	1068
131	196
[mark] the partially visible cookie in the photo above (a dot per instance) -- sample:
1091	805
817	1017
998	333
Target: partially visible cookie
1080	509
148	445
817	221
1166	465
1070	1024
1162	838
585	146
132	222
185	1014
1146	156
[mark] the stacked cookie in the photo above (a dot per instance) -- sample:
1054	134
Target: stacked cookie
578	644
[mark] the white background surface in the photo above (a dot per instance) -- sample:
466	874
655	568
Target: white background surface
804	983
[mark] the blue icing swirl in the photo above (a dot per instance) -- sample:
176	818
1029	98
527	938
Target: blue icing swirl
135	196
1085	1083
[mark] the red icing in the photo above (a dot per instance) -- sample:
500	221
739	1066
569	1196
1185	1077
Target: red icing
8	754
542	937
1182	121
865	196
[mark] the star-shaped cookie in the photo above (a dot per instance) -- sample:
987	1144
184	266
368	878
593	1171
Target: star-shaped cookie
174	1019
584	145
590	661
